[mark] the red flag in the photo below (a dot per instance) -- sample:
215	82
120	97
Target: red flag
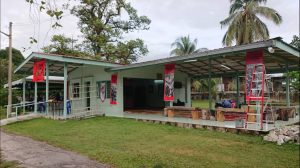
113	90
169	82
38	71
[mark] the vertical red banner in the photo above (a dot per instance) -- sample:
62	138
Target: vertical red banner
39	71
113	90
169	82
252	58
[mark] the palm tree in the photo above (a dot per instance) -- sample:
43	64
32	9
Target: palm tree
238	4
184	46
244	25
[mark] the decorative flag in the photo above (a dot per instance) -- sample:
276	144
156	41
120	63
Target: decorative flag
252	58
169	82
102	91
113	90
38	71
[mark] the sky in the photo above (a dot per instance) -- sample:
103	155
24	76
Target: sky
171	19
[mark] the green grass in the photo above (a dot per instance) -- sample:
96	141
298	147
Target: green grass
128	143
202	104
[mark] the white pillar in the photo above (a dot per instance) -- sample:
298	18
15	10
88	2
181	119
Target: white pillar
24	94
65	88
188	92
35	96
47	87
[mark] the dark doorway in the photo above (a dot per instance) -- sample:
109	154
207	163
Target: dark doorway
143	94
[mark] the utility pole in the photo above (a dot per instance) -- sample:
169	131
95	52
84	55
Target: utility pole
9	104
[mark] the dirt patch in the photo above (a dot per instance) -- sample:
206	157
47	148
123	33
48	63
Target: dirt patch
31	153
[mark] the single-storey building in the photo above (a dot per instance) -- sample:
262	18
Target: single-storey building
96	87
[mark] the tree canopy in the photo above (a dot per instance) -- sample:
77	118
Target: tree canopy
244	25
104	23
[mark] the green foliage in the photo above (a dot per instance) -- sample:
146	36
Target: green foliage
296	42
50	8
60	44
294	80
17	56
244	25
184	46
124	143
202	85
103	27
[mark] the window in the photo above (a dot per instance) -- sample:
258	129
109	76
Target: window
107	89
75	90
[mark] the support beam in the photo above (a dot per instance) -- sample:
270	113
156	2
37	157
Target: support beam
188	92
237	91
35	96
47	87
287	85
209	85
24	94
65	88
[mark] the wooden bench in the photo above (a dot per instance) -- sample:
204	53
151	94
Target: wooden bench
229	114
180	111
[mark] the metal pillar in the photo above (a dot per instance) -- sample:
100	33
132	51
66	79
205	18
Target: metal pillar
47	86
24	94
188	92
35	96
209	85
65	88
287	85
237	91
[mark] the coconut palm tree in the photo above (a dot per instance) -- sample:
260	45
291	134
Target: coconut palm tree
238	4
244	25
184	46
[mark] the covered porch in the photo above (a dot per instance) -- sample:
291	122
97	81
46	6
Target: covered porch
59	106
279	57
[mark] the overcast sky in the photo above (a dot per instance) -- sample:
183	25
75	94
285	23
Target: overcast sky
170	20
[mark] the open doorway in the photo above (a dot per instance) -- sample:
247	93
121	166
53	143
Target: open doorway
143	95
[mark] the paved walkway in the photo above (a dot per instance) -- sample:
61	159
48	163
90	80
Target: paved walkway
35	154
19	118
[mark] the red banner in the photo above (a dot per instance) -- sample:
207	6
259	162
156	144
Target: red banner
252	58
113	90
169	82
39	71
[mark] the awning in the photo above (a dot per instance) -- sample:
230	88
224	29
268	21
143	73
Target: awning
229	61
52	79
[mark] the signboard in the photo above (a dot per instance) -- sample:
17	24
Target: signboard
39	71
169	82
113	90
252	58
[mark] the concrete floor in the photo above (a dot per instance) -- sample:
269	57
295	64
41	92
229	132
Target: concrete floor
34	154
225	124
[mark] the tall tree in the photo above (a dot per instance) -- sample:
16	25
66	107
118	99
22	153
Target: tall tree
296	42
244	25
184	45
239	4
104	22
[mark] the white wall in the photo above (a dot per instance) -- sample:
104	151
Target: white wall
97	73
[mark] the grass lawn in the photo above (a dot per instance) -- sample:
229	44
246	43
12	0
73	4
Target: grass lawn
202	104
128	143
